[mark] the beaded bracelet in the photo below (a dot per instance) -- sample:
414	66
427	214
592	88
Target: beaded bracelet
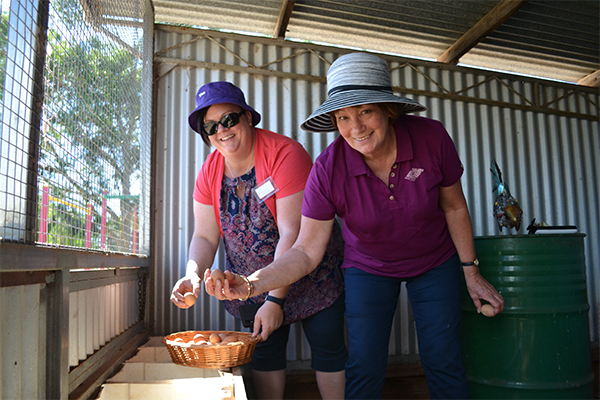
249	288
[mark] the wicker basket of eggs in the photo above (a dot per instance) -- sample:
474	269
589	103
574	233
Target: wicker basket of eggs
211	349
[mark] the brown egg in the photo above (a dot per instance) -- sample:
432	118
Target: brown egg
199	336
229	339
189	298
215	338
487	310
217	274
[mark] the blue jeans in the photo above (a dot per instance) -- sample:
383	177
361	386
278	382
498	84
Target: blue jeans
370	305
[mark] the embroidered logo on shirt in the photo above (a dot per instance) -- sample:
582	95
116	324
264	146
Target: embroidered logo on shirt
414	174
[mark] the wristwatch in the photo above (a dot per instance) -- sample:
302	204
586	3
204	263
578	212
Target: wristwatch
275	300
475	262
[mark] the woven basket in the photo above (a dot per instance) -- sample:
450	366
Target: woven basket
214	356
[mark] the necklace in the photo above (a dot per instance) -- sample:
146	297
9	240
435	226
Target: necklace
238	183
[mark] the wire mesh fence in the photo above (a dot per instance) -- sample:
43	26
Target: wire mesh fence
75	142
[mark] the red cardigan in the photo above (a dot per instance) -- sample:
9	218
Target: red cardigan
275	155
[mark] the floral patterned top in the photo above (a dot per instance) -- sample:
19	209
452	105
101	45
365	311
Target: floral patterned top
250	238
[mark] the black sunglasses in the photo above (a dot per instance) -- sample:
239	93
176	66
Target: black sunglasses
228	121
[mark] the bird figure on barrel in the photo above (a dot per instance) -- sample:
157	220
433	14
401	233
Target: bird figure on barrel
507	212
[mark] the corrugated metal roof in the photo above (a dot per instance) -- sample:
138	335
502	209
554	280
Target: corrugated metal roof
253	16
550	39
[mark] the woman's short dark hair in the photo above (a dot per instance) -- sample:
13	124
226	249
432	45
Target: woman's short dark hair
201	115
395	110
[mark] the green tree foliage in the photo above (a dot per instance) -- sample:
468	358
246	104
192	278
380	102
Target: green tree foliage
91	123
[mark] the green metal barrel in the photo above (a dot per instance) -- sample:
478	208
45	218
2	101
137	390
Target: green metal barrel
539	346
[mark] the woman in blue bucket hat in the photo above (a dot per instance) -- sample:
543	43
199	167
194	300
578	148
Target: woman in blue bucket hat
249	193
394	181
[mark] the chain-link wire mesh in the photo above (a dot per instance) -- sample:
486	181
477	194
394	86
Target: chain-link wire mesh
74	148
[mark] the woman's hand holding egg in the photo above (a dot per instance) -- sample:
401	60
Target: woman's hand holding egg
488	310
214	282
183	291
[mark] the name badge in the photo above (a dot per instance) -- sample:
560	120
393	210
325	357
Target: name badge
265	190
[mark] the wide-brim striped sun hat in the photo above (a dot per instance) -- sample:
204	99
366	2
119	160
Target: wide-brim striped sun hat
352	80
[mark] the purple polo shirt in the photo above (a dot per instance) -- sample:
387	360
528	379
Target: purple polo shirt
397	230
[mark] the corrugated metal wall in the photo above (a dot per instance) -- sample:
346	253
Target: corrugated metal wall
544	136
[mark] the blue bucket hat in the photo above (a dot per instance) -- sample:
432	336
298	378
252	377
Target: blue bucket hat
218	93
352	80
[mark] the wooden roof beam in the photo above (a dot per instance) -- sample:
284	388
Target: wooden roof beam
491	21
284	18
592	80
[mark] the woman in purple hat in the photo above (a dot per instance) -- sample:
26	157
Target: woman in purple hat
394	181
249	193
